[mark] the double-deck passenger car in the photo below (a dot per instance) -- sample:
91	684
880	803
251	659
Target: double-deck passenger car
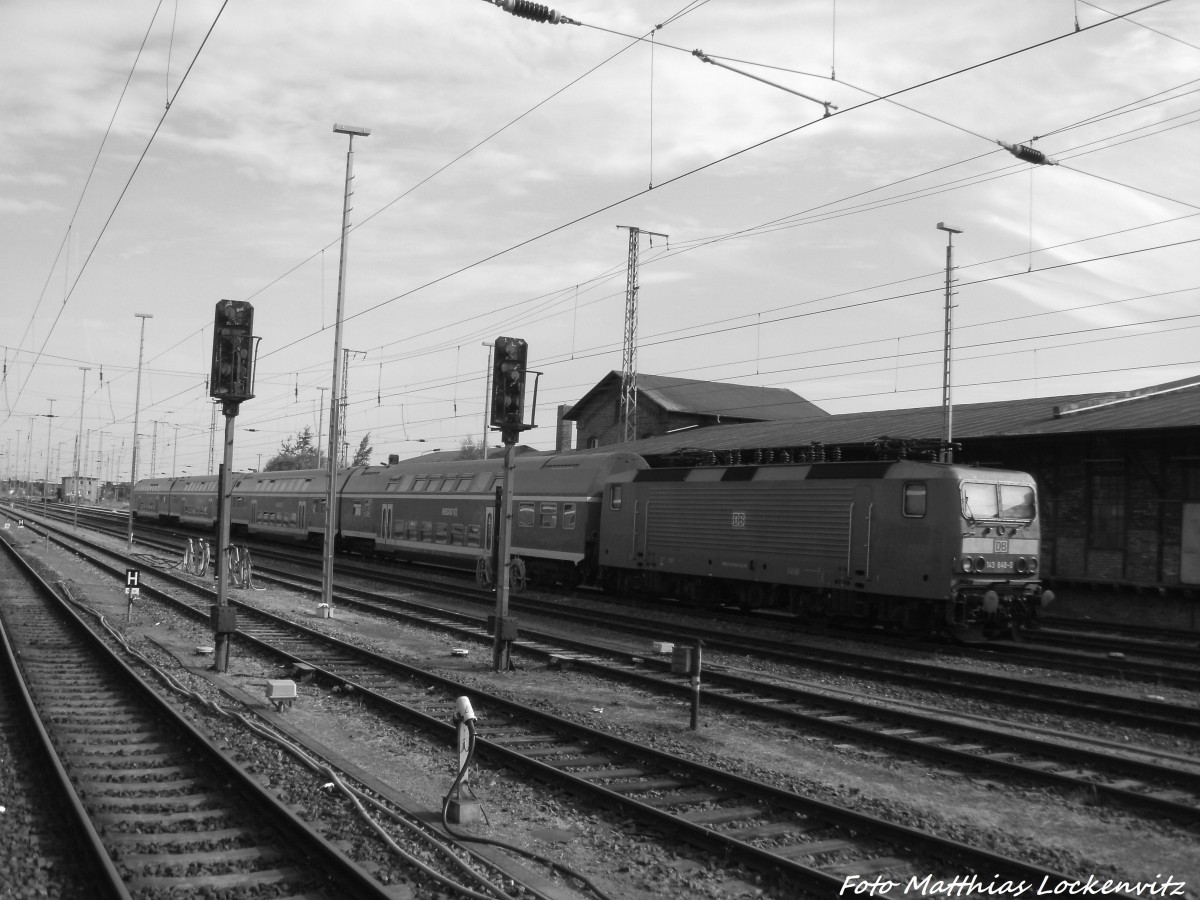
445	511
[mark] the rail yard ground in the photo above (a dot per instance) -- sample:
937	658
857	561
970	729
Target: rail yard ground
1060	832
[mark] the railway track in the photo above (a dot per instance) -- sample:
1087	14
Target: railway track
1173	662
1138	712
1157	788
763	826
169	813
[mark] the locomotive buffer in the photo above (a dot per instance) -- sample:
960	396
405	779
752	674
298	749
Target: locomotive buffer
507	416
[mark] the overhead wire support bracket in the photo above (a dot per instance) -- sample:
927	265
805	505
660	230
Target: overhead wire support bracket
704	57
535	12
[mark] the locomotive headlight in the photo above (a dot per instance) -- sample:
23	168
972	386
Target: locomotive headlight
1032	564
967	565
980	563
1022	566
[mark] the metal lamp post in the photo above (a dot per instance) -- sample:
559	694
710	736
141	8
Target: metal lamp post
948	348
334	425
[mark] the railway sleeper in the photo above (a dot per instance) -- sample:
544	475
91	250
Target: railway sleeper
816	848
722	815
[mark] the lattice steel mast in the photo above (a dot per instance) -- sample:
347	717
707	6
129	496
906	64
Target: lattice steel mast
629	350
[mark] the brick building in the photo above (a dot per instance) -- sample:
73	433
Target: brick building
667	404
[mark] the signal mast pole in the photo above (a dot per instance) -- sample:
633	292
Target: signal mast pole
231	382
508	413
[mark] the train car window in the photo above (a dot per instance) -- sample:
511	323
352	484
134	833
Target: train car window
549	515
450	485
482	482
435	484
427	532
464	484
458	535
526	514
979	500
366	507
1016	501
410	530
420	484
357	508
614	497
472	535
442	533
568	516
914	500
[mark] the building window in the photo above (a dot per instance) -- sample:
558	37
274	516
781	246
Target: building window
1191	481
1106	506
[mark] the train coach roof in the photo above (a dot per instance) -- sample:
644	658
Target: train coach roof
556	471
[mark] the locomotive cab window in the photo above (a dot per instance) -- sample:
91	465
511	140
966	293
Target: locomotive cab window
914	500
1016	501
998	501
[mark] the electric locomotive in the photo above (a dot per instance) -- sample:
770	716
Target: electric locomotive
921	547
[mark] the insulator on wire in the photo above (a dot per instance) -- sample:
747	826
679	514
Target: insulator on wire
535	12
1028	154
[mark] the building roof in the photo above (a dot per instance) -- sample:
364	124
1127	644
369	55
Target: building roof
1173	405
710	398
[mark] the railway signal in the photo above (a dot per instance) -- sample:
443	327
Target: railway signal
232	382
509	370
232	377
508	384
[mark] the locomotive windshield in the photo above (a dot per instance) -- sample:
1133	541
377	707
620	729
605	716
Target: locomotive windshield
997	501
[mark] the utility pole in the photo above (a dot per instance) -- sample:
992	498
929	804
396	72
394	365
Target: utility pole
331	493
79	443
487	393
629	350
137	406
344	457
320	424
212	437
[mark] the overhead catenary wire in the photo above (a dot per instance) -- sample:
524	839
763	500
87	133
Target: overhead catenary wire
121	196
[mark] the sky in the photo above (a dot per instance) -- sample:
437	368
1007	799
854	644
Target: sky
157	157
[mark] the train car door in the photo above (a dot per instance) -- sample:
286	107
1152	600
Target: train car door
302	515
385	521
860	535
489	528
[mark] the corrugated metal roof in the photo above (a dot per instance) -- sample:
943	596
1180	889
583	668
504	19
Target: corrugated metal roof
710	398
1168	406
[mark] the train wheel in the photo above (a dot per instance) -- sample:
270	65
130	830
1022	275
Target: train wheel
483	572
517	578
